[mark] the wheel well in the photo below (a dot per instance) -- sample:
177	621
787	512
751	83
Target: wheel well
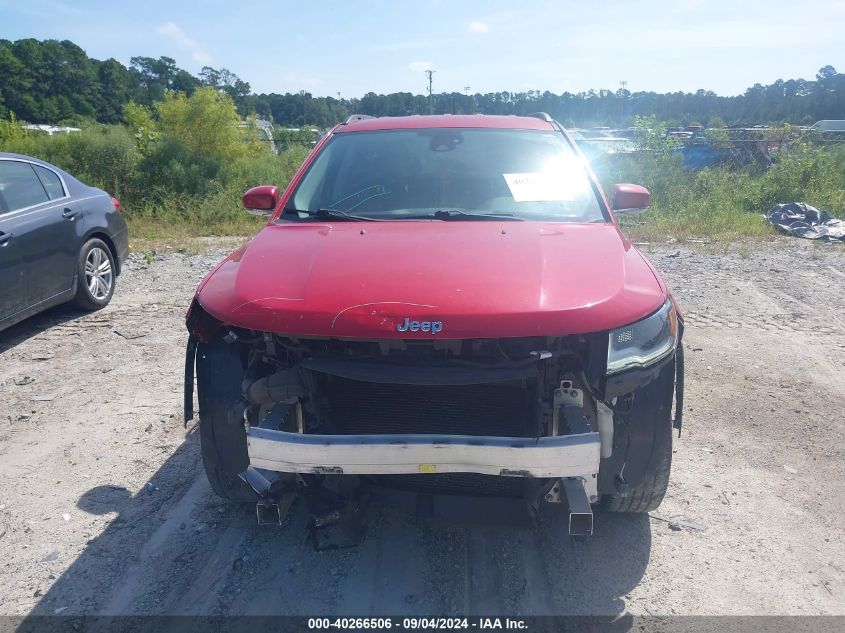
110	244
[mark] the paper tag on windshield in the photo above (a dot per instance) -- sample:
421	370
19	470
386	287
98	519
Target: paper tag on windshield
537	187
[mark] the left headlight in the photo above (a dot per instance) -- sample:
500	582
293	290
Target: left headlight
643	343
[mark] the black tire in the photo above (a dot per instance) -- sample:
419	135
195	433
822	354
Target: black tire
648	427
85	298
222	436
648	494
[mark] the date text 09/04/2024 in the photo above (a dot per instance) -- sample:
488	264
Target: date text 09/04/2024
408	624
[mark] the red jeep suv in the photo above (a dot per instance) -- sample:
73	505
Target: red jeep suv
440	300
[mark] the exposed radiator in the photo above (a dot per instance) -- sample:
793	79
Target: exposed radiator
368	408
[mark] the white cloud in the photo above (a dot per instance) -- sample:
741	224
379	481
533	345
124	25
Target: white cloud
173	32
478	27
419	67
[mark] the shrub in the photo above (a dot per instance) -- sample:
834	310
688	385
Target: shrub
722	202
105	156
171	167
11	131
102	156
269	170
140	121
206	123
805	174
217	209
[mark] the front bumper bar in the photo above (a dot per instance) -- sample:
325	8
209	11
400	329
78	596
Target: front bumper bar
559	456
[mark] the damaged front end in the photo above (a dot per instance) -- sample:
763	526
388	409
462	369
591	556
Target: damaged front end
537	414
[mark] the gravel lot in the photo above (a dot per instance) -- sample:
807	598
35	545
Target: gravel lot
104	507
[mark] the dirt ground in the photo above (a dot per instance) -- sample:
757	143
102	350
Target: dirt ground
105	509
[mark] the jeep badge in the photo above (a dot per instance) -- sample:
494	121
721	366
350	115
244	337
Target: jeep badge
420	326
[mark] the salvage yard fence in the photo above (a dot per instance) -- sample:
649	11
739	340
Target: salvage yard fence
756	147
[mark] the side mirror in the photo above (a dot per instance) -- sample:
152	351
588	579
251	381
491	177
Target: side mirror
262	200
630	198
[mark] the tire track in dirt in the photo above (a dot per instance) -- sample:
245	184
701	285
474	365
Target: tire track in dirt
155	554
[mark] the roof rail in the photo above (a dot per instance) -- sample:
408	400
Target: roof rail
352	118
543	116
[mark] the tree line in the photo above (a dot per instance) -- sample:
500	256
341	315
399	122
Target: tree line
51	82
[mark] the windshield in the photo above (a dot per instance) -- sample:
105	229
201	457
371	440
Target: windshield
409	174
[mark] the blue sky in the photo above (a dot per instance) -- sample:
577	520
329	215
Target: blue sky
356	47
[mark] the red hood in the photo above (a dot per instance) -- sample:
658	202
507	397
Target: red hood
480	279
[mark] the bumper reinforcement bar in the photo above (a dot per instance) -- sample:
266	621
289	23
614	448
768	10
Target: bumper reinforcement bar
559	456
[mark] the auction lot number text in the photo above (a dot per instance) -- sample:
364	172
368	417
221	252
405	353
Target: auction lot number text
418	624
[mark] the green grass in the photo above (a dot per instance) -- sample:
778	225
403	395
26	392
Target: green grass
183	216
722	204
163	214
144	228
721	225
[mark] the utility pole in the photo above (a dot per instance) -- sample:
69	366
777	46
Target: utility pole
623	86
430	72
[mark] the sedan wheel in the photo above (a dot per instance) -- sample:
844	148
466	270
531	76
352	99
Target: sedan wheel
95	275
98	273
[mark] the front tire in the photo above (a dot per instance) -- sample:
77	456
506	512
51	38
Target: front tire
645	448
222	437
648	494
95	276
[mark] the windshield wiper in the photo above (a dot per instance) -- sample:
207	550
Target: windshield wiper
330	214
440	214
459	214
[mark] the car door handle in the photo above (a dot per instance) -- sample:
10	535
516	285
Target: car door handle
69	214
5	238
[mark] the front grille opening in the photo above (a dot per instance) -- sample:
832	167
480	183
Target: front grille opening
356	407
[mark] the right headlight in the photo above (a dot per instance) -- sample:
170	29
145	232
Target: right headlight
643	343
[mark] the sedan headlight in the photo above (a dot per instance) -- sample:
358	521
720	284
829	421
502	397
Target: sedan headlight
643	343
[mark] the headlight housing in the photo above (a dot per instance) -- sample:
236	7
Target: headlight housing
643	343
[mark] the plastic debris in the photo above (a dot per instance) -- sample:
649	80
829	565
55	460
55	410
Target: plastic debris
49	558
678	524
130	336
802	220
